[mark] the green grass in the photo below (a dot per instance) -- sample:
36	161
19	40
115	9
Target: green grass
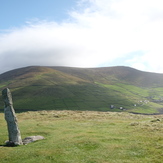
131	95
86	137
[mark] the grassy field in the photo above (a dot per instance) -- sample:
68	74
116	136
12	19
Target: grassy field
86	137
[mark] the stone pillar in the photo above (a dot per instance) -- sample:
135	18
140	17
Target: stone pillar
10	117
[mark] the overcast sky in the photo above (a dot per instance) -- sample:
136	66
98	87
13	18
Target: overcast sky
81	33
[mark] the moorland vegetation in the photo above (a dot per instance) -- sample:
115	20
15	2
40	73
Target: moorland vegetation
96	89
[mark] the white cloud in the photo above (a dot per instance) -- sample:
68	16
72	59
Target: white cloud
100	32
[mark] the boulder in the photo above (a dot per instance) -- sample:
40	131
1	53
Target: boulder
31	139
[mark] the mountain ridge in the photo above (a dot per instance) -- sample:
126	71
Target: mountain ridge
121	72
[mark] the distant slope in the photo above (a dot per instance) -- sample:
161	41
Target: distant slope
112	74
60	88
35	75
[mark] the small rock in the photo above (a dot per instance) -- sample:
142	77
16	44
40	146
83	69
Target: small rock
31	139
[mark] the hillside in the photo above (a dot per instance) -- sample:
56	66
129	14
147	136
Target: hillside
65	88
121	74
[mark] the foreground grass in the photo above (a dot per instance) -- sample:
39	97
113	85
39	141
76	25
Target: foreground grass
86	137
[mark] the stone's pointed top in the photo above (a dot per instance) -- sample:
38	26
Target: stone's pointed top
5	91
7	97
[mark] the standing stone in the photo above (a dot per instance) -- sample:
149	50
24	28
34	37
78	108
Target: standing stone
10	117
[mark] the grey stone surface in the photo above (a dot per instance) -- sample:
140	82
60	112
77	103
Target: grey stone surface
31	139
10	117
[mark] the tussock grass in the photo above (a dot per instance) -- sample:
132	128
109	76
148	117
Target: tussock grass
86	137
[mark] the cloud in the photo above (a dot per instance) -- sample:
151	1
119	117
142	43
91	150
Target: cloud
97	33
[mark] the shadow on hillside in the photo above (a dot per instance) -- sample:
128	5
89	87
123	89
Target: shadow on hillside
26	110
20	110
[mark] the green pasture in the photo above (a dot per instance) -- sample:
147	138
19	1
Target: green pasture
86	137
95	97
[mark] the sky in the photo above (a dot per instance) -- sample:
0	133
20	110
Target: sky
81	33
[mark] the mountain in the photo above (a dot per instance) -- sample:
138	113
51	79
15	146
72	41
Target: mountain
102	89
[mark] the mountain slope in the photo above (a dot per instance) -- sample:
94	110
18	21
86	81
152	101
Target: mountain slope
58	88
112	74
